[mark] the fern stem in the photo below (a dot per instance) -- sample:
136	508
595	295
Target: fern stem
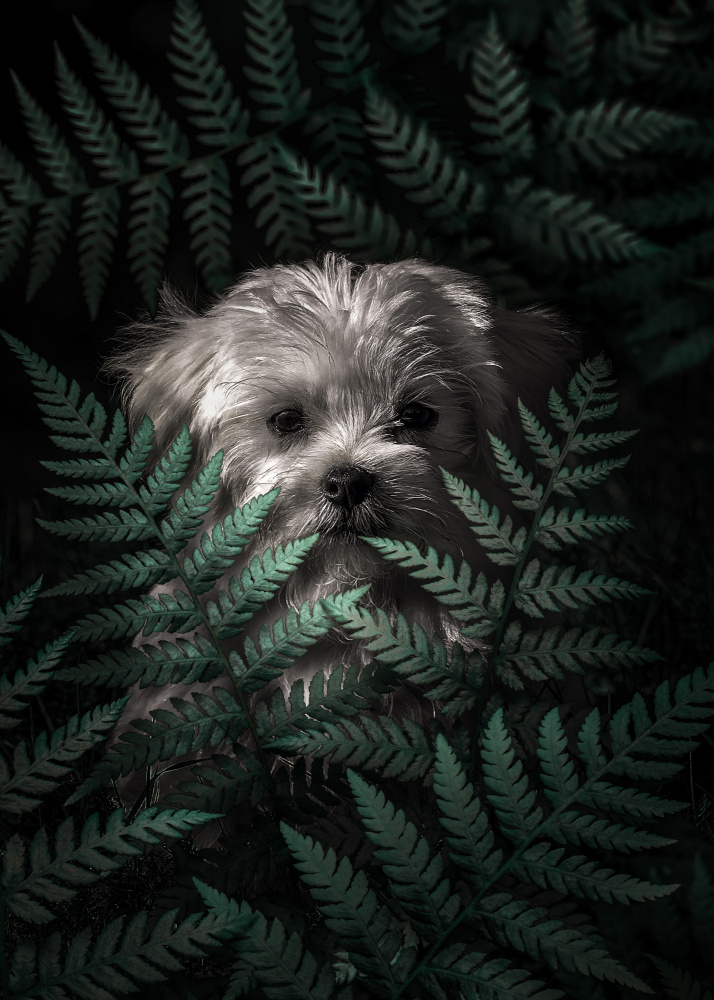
530	537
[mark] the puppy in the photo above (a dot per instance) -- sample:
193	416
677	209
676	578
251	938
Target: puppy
349	387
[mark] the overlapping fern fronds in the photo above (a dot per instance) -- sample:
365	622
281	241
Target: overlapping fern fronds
333	150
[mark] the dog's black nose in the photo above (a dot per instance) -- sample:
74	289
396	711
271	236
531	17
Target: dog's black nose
347	487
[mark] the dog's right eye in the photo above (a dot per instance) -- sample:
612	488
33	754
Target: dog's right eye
287	421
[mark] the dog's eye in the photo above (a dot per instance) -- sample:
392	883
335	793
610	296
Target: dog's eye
417	417
287	421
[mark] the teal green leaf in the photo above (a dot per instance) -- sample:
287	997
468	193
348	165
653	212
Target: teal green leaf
570	43
190	508
413	26
502	545
568	527
178	662
273	173
527	492
274	68
604	133
148	225
511	798
341	36
557	587
16	610
31	681
164	613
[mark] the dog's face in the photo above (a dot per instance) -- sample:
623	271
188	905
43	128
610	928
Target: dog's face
349	388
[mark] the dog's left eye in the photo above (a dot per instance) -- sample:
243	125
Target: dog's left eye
417	417
287	421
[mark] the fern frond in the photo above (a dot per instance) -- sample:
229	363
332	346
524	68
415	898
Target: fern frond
502	546
127	959
192	726
52	151
275	69
282	642
30	681
568	527
35	775
557	587
543	653
501	103
51	232
126	526
675	208
570	43
454	680
208	93
449	588
490	976
516	922
142	569
565	225
378	744
178	662
416	161
156	133
221	784
209	215
415	876
603	133
150	210
97	232
76	864
340	34
337	146
551	868
277	960
217	552
512	799
413	26
528	493
468	831
640	49
167	613
679	982
271	171
350	908
16	610
167	476
366	231
258	582
186	515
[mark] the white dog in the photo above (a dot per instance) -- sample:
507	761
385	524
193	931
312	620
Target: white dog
349	387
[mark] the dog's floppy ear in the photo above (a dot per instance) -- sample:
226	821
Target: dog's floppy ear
166	370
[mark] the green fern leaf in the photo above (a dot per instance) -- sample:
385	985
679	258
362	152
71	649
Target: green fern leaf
518	923
416	161
584	476
207	721
341	35
16	610
277	960
468	831
281	643
154	130
551	868
186	516
570	44
601	134
679	982
209	215
221	785
271	170
217	552
337	146
543	653
560	782
128	525
14	227
490	977
50	235
148	226
413	26
539	440
167	613
178	662
639	49
35	776
166	477
521	483
455	681
565	226
125	960
366	231
31	681
378	744
97	232
79	864
258	582
513	802
496	537
275	72
682	355
568	527
208	93
53	153
502	102
350	908
557	587
415	878
142	569
677	207
440	579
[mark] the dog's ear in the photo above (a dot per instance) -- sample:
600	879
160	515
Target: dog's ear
166	369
